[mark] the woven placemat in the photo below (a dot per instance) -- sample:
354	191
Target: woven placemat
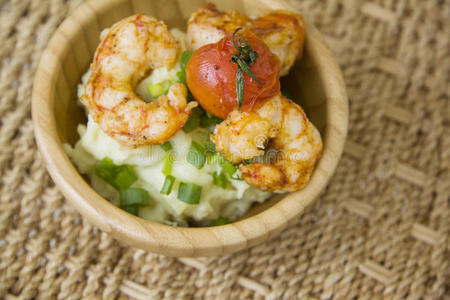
380	229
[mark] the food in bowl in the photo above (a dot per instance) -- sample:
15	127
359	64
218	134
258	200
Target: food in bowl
194	138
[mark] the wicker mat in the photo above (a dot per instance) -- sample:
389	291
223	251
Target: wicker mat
380	229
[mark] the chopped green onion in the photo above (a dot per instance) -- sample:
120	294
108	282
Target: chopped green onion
210	146
131	209
166	85
189	192
155	89
106	170
158	89
185	56
120	177
212	158
134	196
191	124
125	177
194	120
196	155
167	146
220	221
220	179
167	186
227	167
210	121
181	77
167	164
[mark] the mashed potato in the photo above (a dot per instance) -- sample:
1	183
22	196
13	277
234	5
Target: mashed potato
215	202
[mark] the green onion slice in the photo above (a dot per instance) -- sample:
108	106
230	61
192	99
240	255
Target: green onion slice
220	179
211	121
134	196
168	184
159	89
167	146
132	209
210	146
125	177
189	192
106	170
227	167
181	77
166	85
167	164
220	221
194	120
155	89
120	177
196	155
212	158
185	56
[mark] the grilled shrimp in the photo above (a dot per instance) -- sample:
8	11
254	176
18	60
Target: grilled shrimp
283	32
128	50
279	126
244	135
208	25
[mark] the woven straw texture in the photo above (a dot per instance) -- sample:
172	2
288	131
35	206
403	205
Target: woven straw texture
380	229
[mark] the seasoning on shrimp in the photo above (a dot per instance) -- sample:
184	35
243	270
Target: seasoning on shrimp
127	51
295	142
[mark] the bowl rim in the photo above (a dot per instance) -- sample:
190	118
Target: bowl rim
183	241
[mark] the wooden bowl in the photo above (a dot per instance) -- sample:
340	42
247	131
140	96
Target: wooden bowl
316	83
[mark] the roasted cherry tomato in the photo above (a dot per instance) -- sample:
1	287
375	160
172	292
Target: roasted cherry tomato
211	75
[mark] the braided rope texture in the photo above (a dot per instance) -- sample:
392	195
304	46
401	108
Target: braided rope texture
380	229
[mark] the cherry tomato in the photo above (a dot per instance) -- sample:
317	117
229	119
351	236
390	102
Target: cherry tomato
211	75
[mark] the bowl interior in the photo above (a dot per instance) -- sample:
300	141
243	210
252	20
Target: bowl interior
303	80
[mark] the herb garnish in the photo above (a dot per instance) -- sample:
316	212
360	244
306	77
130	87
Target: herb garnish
245	58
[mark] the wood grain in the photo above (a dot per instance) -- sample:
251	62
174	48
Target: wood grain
319	88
